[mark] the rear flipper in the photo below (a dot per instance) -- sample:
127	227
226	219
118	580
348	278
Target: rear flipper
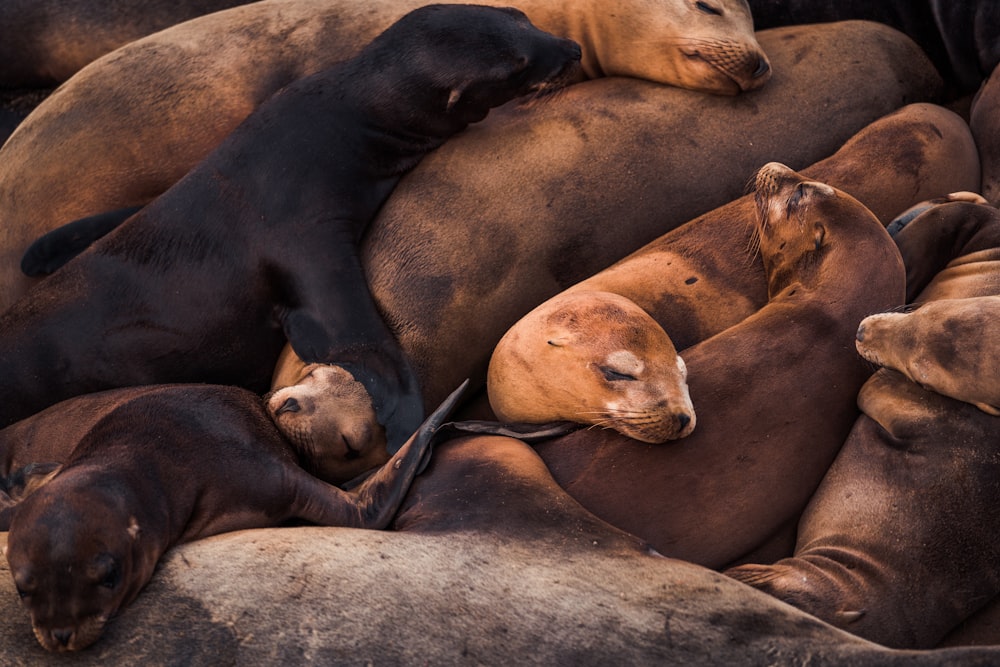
52	250
19	485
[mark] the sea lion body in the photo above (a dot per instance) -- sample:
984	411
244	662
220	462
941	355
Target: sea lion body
895	545
607	135
46	43
206	283
960	36
594	358
984	119
775	393
159	467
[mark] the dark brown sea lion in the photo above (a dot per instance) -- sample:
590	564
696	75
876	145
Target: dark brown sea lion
206	283
161	467
775	393
563	158
594	358
960	36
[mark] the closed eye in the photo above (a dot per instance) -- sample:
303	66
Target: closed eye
614	376
707	8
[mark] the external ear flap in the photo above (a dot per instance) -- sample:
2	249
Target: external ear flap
559	341
820	235
133	528
456	94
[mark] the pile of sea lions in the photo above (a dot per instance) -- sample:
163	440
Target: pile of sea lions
282	233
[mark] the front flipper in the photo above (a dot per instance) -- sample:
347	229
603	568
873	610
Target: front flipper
52	250
371	354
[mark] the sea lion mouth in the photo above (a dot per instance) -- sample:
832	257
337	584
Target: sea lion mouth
742	68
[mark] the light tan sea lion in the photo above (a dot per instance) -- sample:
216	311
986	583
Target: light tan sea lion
594	358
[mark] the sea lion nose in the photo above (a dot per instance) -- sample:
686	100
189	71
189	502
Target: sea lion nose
763	67
63	635
683	419
290	405
861	333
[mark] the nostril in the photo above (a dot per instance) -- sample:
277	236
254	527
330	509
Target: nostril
861	333
683	419
763	67
290	405
63	636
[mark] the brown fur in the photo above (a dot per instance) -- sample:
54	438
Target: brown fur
775	393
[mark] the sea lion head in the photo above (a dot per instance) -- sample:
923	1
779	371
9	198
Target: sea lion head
793	217
328	416
945	346
595	358
76	557
707	45
474	58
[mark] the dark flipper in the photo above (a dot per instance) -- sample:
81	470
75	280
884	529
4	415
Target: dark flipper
50	251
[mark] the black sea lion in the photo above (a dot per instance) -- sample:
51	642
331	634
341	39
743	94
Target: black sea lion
775	394
960	36
612	134
162	466
206	283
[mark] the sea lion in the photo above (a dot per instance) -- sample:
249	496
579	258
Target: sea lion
328	416
893	546
959	36
942	346
160	468
707	45
163	300
775	393
984	119
601	136
594	358
46	43
486	524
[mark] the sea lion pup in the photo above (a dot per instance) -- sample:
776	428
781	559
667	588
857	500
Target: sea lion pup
775	393
594	358
206	283
943	345
328	416
168	466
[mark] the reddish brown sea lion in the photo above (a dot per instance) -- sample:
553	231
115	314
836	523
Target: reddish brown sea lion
775	393
206	283
892	546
